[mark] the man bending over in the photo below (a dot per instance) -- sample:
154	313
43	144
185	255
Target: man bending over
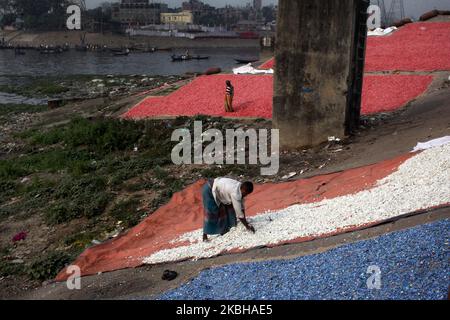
223	203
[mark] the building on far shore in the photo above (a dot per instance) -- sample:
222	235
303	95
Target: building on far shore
179	18
257	5
199	9
246	25
138	12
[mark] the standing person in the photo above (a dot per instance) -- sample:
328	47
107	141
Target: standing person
223	203
186	55
229	95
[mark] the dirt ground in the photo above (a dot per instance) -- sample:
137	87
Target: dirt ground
146	283
381	137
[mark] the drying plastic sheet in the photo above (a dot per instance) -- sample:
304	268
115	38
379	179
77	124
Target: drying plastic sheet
431	144
249	69
379	32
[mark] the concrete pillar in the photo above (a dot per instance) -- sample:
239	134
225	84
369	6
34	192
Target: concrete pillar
315	58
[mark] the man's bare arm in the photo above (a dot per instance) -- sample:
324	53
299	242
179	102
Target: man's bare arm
247	225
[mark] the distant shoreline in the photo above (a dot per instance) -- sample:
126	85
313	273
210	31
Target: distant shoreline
73	38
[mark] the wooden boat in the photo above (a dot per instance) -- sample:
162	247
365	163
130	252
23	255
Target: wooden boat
200	58
187	58
117	50
144	50
51	50
246	61
81	48
122	53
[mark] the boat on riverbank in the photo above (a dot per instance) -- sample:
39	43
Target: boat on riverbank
245	61
176	58
57	50
81	48
121	53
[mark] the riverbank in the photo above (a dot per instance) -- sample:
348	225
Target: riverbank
23	89
73	38
69	184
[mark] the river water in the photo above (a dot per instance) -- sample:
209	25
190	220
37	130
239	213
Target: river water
92	63
9	98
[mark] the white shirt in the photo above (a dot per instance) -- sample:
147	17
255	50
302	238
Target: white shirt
228	192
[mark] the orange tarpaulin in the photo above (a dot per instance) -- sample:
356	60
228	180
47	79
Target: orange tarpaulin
184	213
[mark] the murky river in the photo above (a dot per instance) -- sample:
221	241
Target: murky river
159	63
9	98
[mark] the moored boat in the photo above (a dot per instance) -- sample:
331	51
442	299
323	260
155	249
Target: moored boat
188	57
122	53
246	61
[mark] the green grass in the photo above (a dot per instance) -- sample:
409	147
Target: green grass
90	160
49	88
47	266
51	161
7	268
128	212
80	240
7	189
34	197
89	172
226	170
82	147
84	197
101	136
160	173
11	109
36	88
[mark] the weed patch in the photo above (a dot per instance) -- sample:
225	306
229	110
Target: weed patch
48	266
